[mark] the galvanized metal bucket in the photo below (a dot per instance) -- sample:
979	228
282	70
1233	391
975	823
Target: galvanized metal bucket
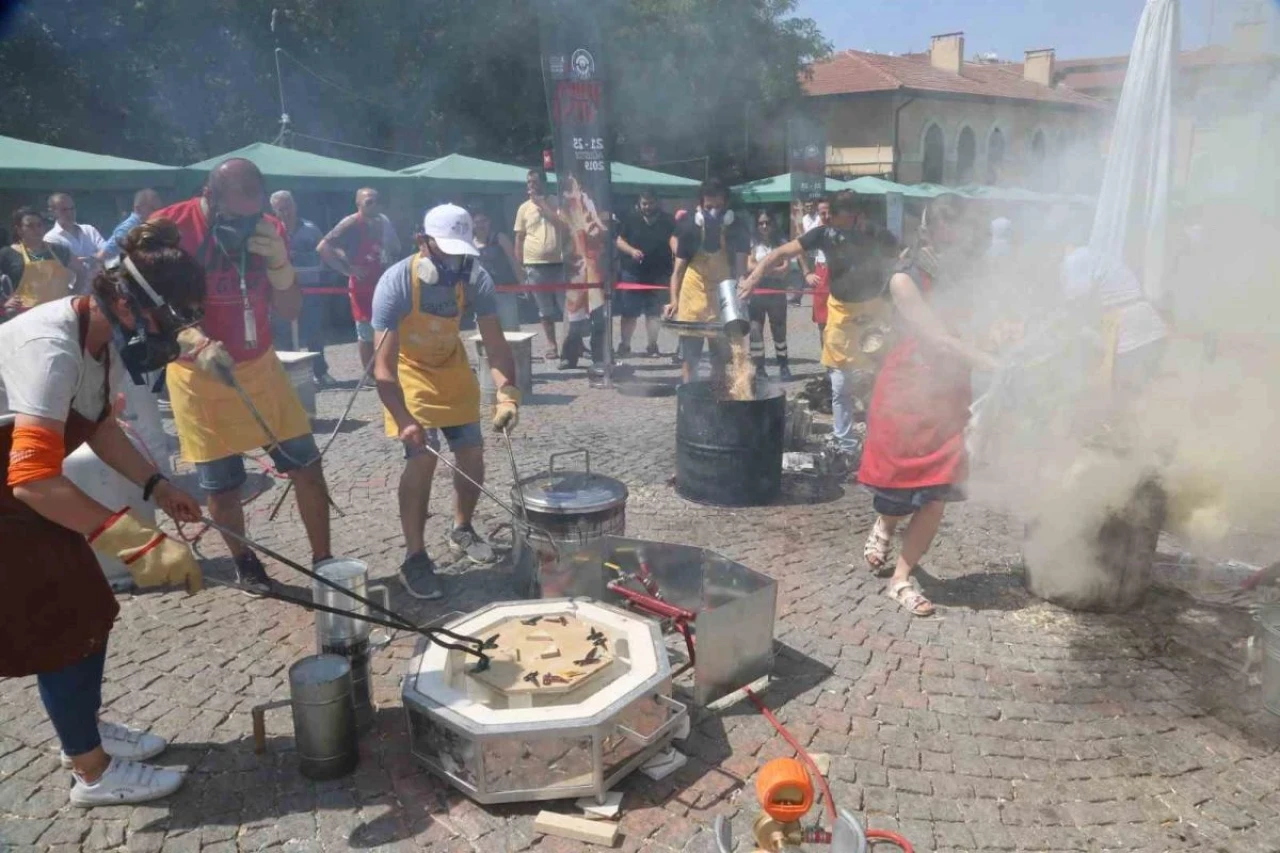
1268	620
324	716
349	636
733	313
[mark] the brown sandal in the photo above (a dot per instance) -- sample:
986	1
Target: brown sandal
910	598
879	544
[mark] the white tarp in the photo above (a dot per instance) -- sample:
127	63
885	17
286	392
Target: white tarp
1134	198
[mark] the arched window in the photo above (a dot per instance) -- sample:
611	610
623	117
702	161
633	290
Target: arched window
995	156
1039	167
966	153
933	155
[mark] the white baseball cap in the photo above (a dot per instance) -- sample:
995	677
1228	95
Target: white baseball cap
450	226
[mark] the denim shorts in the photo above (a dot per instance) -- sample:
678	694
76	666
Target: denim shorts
901	502
459	437
227	474
364	332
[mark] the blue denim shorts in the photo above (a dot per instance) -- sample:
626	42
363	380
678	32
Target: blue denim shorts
227	474
902	502
459	437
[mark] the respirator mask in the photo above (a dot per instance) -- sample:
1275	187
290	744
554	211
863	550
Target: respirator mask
232	232
142	351
435	267
712	221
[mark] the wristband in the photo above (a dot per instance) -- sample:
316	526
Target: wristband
150	486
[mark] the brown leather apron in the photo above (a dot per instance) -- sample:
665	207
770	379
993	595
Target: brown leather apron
57	607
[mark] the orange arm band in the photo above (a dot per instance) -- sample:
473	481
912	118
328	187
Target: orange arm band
37	454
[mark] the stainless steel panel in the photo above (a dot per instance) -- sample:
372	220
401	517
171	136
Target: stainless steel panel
546	763
734	640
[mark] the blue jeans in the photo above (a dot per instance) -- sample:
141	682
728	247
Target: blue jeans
227	474
842	387
72	696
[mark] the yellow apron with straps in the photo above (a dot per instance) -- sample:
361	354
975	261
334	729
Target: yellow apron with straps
440	389
698	302
847	322
213	421
42	281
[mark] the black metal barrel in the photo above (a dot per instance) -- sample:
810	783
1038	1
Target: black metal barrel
729	452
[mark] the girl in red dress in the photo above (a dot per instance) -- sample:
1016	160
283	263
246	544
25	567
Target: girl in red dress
914	459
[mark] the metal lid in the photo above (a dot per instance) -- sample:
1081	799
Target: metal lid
571	491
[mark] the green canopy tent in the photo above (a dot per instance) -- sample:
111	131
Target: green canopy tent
33	166
870	185
775	190
302	171
460	173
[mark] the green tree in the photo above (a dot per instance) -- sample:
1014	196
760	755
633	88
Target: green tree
176	81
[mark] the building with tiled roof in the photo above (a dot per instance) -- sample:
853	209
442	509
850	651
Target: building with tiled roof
937	117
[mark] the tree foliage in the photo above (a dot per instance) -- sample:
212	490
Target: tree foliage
176	81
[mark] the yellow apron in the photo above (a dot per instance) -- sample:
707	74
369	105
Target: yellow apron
440	390
214	423
697	300
846	324
42	281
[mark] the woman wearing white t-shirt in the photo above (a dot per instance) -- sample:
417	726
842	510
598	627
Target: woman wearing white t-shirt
59	373
770	307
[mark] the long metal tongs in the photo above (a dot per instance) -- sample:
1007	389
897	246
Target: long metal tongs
462	643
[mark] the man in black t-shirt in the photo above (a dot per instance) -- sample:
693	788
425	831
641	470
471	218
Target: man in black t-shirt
644	250
858	257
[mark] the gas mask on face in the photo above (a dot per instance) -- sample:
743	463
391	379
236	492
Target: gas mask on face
142	351
712	221
232	232
434	266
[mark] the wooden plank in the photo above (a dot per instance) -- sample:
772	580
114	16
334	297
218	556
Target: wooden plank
603	832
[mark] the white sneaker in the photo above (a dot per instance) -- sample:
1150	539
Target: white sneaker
123	742
126	782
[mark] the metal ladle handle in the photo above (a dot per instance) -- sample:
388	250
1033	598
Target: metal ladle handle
586	454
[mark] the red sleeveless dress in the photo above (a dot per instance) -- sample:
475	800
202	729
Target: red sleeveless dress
916	420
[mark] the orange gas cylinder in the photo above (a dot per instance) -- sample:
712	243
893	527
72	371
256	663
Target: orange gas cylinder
785	790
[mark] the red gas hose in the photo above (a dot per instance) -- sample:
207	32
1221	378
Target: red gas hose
828	801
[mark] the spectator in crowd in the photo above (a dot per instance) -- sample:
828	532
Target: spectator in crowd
304	236
820	276
646	257
145	203
711	247
498	257
35	272
84	241
245	256
768	306
539	230
361	247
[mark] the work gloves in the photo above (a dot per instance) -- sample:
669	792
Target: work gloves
268	243
152	558
506	413
208	356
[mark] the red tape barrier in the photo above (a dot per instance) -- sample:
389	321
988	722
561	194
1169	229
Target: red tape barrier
554	287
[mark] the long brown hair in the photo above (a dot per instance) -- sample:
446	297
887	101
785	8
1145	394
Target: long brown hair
154	249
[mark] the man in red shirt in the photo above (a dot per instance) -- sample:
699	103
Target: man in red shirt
245	256
361	247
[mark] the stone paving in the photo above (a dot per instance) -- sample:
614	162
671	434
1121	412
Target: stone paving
1001	724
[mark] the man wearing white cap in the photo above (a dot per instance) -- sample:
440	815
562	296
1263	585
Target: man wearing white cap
426	384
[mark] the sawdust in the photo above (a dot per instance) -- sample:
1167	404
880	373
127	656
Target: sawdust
741	374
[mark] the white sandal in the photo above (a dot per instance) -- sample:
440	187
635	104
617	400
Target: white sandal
879	544
910	598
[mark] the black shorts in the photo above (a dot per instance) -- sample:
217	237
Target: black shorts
649	303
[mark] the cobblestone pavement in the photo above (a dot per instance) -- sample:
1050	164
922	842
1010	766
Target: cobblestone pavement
1002	724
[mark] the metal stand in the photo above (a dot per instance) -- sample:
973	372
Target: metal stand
608	328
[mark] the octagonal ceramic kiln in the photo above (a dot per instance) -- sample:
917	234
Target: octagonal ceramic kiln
577	695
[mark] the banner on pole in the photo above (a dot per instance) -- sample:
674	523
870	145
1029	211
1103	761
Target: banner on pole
807	159
574	75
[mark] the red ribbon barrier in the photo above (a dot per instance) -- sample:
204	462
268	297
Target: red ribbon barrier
547	288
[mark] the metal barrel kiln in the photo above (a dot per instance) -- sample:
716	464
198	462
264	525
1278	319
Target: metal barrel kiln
729	452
